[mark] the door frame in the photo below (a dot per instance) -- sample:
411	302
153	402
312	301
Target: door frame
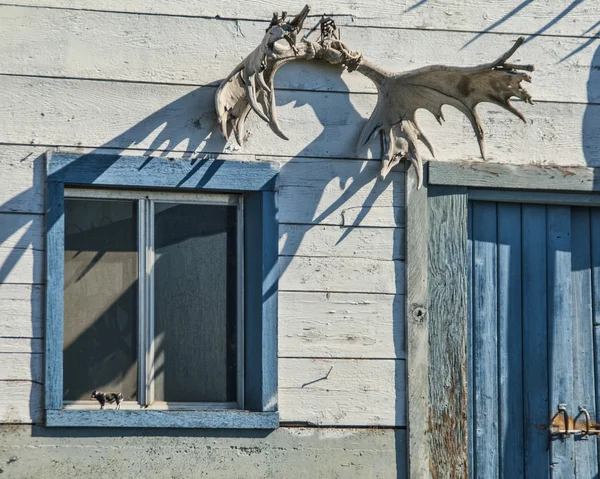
437	267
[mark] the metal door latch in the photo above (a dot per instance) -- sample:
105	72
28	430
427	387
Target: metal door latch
555	429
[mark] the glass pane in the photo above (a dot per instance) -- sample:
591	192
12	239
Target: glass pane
195	300
101	274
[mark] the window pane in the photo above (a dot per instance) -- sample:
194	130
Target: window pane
195	291
101	273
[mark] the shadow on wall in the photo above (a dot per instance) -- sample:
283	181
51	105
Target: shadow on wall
591	117
178	123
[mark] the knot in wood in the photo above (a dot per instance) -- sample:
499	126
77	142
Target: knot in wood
418	314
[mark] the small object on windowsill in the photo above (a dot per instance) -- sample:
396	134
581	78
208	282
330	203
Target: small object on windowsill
104	398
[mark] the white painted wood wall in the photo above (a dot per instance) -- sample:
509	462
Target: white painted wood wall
139	77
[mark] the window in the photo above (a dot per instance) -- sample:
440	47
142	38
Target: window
162	285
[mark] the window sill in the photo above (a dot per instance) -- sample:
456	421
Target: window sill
225	419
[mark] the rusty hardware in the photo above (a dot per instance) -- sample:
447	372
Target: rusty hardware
587	431
562	410
556	431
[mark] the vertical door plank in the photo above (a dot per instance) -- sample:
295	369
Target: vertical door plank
560	329
470	336
595	242
447	247
417	329
535	356
485	327
595	261
510	351
586	457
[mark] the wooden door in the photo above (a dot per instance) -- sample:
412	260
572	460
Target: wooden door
533	337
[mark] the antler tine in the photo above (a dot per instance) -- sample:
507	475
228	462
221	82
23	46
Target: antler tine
250	86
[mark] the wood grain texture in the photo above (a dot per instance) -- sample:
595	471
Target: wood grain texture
560	328
55	237
348	275
21	266
269	298
346	325
166	49
23	170
595	242
510	347
260	301
447	262
159	419
23	304
595	274
21	345
21	367
298	273
509	16
536	407
155	172
417	325
158	117
494	175
20	231
21	245
584	394
470	328
22	402
534	197
312	190
486	413
355	392
341	192
342	242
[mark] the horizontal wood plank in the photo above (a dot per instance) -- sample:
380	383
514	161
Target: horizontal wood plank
23	170
312	190
342	392
23	304
297	273
555	17
21	402
157	49
349	325
226	419
21	345
346	193
21	231
356	392
21	367
21	266
342	242
494	175
535	197
353	275
157	172
158	117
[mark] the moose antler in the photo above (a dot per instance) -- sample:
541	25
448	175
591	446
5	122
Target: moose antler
400	95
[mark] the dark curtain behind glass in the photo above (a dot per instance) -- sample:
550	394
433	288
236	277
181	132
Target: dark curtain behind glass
195	303
100	320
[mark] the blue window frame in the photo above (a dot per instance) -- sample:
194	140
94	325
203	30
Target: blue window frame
255	183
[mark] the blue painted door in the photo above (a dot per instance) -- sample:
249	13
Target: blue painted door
534	337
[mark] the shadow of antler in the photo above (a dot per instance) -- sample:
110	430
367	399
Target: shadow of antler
400	95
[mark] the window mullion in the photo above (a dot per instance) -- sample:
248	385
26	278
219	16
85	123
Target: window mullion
145	304
142	373
150	300
240	304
